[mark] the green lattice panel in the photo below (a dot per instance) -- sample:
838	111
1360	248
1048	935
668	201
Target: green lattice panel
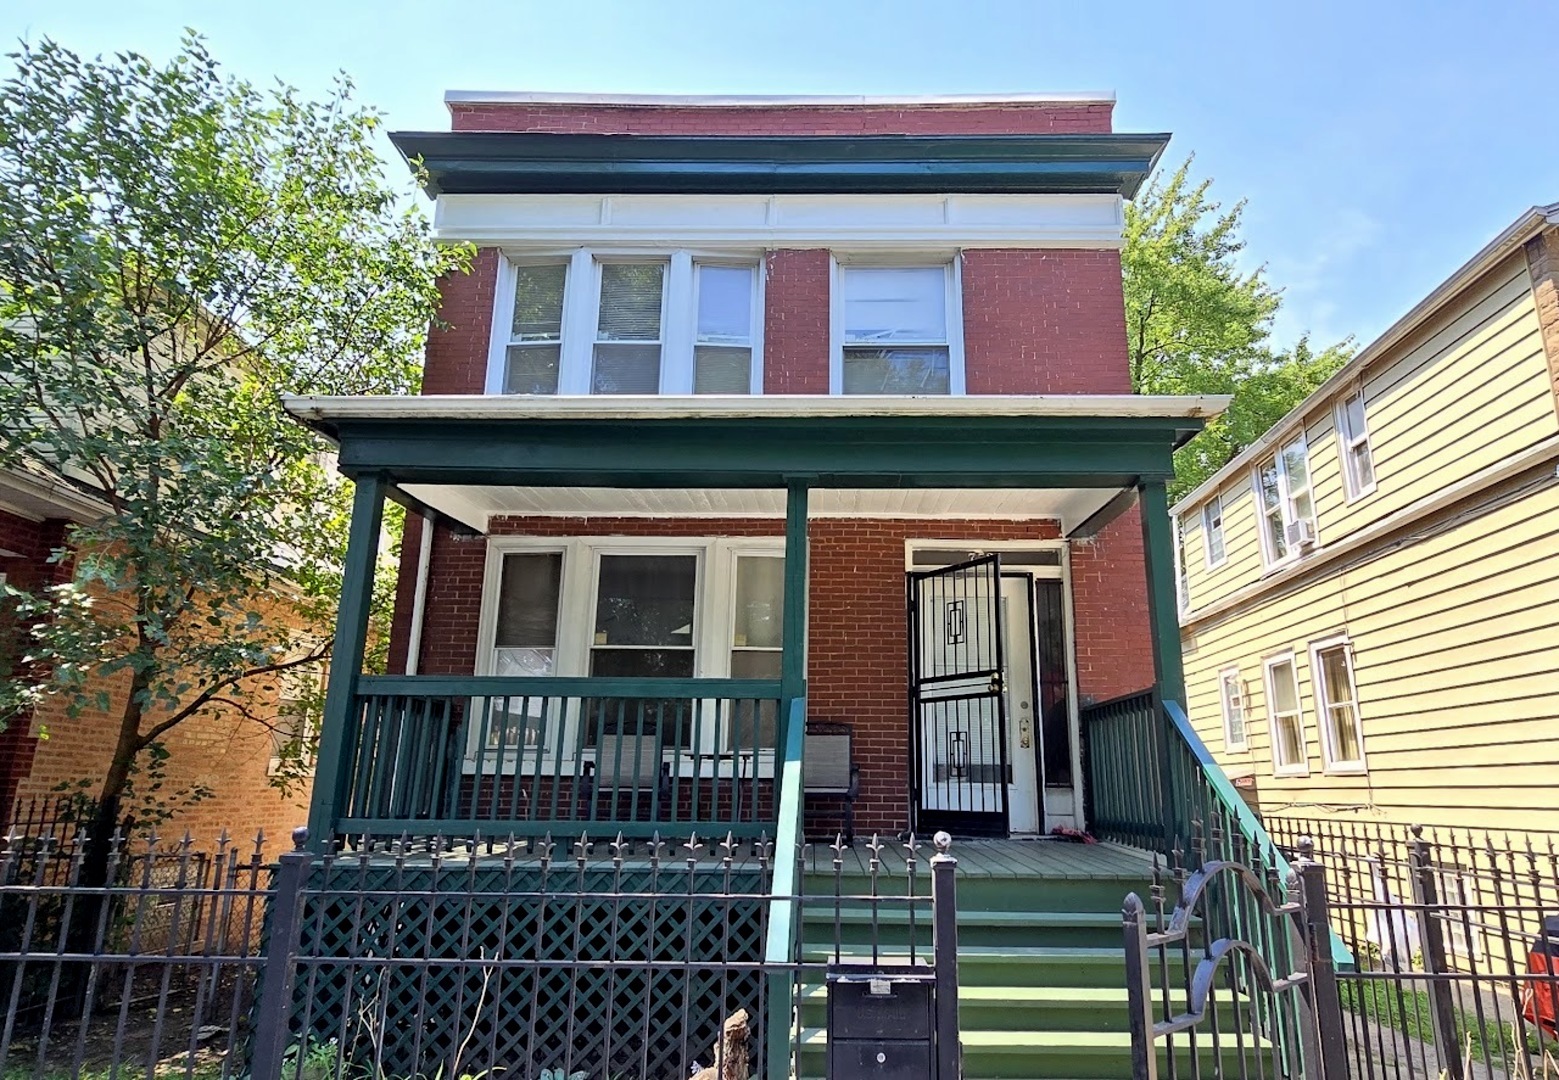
605	1017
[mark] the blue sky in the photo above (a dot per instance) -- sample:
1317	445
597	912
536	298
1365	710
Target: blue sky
1378	144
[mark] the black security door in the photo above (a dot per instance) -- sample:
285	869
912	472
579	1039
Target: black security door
957	717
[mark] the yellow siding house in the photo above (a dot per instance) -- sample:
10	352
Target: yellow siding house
1370	595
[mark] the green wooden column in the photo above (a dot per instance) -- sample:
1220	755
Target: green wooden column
793	663
336	737
1158	547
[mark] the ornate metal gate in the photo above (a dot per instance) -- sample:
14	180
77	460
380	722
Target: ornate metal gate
958	723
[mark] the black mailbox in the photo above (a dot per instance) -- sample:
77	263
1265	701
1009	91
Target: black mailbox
880	1022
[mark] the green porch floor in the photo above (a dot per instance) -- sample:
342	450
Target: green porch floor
1045	859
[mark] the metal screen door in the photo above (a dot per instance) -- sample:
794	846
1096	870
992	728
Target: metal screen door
958	719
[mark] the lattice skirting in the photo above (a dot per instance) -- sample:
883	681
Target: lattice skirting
648	993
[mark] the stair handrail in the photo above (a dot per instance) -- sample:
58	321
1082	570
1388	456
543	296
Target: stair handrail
779	952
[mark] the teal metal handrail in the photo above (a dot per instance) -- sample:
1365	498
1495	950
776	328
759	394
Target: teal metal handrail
780	945
522	756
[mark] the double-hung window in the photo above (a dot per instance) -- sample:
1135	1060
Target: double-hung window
1353	445
1337	705
1287	508
1290	757
1231	694
1182	573
1212	532
894	330
756	626
525	642
611	323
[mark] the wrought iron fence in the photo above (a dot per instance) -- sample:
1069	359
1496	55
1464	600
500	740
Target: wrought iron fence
582	959
1455	938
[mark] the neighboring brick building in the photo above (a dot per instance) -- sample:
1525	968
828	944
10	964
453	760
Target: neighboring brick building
822	259
45	753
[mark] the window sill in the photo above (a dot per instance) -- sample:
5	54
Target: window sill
1347	768
1290	772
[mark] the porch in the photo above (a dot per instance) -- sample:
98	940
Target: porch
673	750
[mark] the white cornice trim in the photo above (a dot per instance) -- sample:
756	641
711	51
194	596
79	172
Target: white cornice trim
851	222
737	101
666	407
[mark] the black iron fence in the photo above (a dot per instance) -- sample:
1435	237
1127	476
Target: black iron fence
578	959
1455	940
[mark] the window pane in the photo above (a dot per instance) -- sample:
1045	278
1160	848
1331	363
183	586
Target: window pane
894	304
1296	466
1269	485
754	664
642	664
1285	696
760	602
630	301
626	369
722	370
896	371
1289	749
1362	466
1212	530
532	369
1353	415
646	600
725	304
528	600
538	302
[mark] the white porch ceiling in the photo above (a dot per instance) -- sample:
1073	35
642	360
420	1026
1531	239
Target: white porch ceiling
475	506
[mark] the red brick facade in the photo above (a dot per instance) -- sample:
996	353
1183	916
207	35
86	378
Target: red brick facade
996	118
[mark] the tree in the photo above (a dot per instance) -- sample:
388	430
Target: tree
1196	324
177	250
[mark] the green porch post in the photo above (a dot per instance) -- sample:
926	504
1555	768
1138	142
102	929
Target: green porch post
793	663
1158	549
346	657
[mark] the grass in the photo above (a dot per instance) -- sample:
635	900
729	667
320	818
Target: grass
1411	1013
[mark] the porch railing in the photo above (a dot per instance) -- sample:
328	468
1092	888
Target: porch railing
521	756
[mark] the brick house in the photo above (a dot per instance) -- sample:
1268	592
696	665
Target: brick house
45	752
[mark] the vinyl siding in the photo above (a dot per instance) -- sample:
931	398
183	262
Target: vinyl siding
1456	650
1469	390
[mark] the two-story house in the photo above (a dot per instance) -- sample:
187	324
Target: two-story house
1370	594
763	424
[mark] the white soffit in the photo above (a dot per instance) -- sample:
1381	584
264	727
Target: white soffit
521	222
476	506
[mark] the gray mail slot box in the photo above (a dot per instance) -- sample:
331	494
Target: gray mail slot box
879	1022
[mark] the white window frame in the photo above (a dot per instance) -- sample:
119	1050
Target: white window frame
1207	532
1331	764
581	308
1348	441
1285	500
952	298
714	614
1230	743
1281	768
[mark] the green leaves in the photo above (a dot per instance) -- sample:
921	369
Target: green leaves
1197	325
177	250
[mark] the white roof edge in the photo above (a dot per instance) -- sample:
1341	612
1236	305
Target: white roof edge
1491	254
500	407
543	97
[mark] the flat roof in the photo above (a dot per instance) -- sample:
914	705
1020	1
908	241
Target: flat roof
727	101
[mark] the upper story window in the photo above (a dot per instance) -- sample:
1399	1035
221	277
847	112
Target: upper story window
897	330
1212	531
1182	575
603	323
1353	446
1287	508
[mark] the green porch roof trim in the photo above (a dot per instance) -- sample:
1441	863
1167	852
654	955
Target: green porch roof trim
962	451
510	163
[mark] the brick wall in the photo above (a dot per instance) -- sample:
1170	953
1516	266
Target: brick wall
795	322
858	632
1042	118
228	753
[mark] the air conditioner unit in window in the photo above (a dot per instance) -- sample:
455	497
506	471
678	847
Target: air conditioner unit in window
1301	534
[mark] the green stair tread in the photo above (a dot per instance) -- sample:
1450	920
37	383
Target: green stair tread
858	916
1026	1042
1015	954
1016	995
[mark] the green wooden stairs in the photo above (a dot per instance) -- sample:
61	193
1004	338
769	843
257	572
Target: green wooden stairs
1041	968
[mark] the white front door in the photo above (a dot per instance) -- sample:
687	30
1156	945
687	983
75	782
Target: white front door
1017	621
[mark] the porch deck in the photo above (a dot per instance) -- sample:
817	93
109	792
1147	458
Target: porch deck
1014	859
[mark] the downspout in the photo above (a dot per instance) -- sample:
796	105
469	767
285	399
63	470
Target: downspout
419	598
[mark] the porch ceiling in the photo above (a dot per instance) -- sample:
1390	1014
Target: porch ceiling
475	506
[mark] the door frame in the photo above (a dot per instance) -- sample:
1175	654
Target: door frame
1062	573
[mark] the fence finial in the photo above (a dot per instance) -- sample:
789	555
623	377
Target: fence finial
1306	848
942	842
300	838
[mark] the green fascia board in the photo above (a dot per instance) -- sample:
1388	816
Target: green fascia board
509	163
830	451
